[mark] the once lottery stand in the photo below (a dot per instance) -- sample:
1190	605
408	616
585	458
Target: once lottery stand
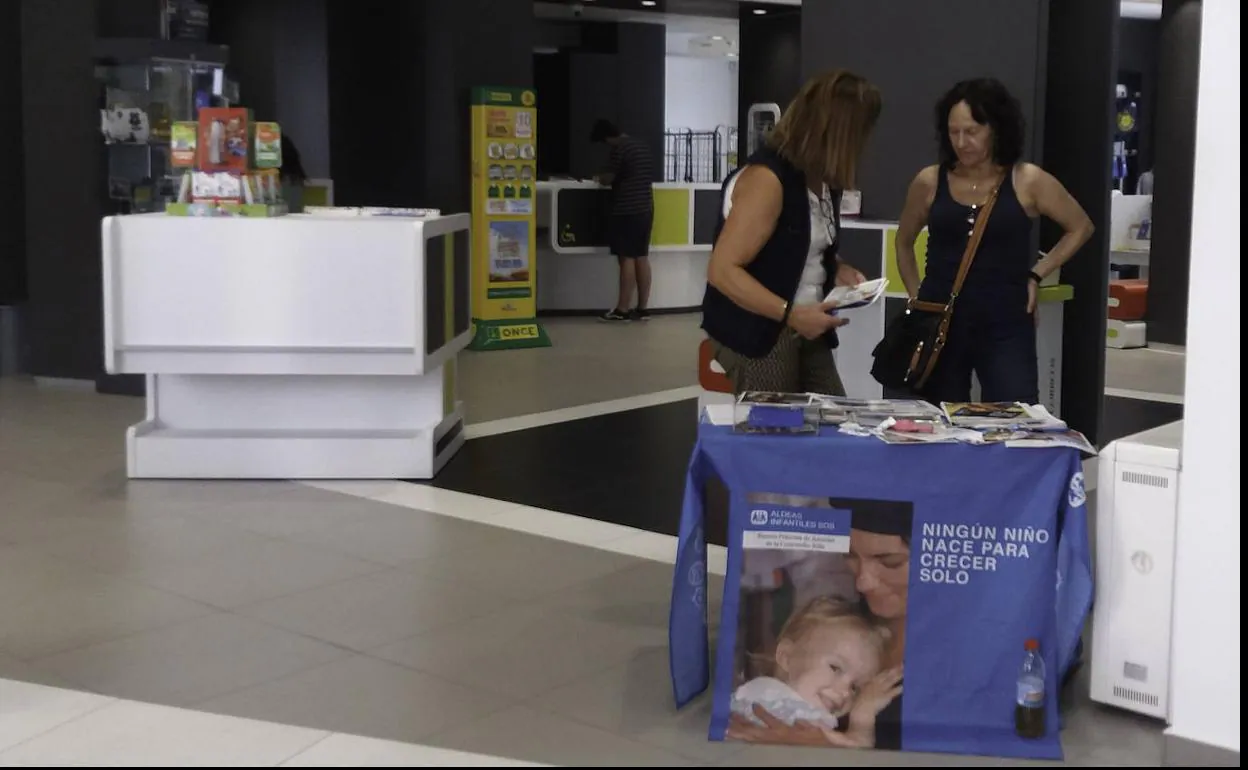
504	221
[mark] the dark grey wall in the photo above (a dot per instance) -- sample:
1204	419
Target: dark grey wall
278	56
12	190
1170	258
592	78
249	28
1079	116
915	51
642	75
619	73
771	60
127	18
373	59
468	43
60	119
400	79
302	77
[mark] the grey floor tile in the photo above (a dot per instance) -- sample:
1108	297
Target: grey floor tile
117	487
586	363
634	700
367	612
538	736
130	545
522	566
26	574
254	569
19	671
190	662
636	597
70	618
19	492
362	696
1145	369
519	652
365	529
1101	736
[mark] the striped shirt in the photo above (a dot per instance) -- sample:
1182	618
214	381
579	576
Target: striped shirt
632	189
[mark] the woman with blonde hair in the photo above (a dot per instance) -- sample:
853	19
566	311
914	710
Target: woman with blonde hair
775	255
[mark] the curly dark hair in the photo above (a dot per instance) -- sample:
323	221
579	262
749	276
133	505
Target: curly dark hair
991	104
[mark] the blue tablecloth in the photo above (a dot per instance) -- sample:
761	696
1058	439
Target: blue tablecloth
1020	511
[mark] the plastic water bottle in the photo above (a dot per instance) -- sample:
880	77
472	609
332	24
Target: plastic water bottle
1029	710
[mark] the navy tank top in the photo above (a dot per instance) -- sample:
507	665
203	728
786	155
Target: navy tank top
996	287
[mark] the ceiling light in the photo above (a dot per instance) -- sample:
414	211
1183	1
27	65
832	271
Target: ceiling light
760	11
649	3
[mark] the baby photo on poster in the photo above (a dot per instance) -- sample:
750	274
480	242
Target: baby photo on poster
821	626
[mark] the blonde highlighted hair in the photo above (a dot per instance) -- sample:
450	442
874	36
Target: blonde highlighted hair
825	128
825	610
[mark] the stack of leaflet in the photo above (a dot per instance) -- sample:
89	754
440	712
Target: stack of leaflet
861	295
1018	425
898	421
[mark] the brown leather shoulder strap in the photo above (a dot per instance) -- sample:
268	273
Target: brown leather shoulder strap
972	245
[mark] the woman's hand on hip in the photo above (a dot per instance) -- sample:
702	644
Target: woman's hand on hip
814	321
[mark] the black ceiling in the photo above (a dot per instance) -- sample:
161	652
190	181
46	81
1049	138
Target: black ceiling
718	9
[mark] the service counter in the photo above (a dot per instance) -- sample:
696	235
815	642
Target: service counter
297	347
576	273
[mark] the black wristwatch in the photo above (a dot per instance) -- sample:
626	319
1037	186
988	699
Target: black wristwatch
1036	277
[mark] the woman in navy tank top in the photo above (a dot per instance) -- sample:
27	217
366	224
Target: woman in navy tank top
993	332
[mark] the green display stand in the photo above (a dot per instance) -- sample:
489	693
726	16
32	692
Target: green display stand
508	335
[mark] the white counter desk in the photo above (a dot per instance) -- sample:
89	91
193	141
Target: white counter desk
296	347
576	273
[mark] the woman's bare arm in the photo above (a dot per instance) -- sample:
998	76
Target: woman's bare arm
1051	199
913	220
757	199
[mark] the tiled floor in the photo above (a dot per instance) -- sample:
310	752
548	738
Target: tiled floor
44	726
270	623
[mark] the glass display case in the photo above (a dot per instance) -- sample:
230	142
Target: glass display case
140	100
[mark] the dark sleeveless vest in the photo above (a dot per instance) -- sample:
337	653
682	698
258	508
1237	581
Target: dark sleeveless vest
778	266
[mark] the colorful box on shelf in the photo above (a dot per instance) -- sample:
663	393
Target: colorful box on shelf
231	165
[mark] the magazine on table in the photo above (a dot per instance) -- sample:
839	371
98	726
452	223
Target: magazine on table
990	415
1049	439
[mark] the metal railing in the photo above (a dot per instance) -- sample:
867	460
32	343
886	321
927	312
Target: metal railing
699	156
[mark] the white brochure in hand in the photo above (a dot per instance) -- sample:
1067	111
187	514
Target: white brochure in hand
865	293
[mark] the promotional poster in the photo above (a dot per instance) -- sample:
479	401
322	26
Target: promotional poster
924	617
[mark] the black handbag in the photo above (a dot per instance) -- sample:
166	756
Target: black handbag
912	344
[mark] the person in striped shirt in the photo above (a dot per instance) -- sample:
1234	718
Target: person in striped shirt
630	175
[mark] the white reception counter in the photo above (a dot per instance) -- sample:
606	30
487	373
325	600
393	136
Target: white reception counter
289	348
576	272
